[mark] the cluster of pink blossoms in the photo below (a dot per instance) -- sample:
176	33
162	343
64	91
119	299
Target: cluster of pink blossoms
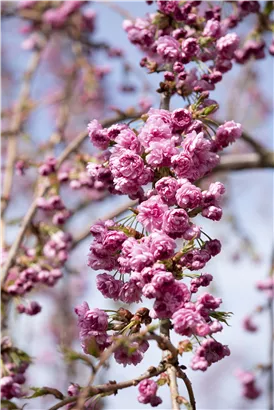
13	366
160	164
148	389
180	33
248	381
38	266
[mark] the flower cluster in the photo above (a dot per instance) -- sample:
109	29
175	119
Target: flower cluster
14	365
148	389
182	33
160	164
248	381
39	265
56	16
174	144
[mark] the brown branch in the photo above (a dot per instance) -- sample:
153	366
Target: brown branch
113	387
171	369
188	385
171	354
73	146
238	162
16	125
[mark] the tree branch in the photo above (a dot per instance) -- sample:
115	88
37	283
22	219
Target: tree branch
16	125
171	370
241	162
188	385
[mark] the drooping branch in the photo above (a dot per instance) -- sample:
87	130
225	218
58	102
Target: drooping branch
16	125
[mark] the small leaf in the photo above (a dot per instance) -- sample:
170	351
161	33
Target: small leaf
7	404
43	391
210	109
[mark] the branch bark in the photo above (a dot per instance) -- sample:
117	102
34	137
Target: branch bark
16	125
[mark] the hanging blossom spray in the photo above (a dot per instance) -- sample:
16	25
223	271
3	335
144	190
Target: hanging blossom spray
155	252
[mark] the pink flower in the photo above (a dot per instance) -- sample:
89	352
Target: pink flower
203	280
188	195
167	7
108	286
132	353
160	153
213	212
148	389
161	245
125	163
130	293
190	47
175	222
98	135
128	139
226	134
249	388
181	118
248	324
168	48
150	213
209	352
155	129
174	297
214	194
167	188
188	321
227	44
212	29
196	259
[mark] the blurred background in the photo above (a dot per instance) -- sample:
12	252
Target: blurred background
246	229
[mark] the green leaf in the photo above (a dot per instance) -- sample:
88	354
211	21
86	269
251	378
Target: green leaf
221	316
210	109
8	404
43	391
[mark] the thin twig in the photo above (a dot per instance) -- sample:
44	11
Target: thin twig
118	211
16	125
113	387
188	385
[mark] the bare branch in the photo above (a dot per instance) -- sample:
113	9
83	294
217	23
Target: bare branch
238	162
16	125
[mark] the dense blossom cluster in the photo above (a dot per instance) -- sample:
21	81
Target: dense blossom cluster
154	252
160	164
180	33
